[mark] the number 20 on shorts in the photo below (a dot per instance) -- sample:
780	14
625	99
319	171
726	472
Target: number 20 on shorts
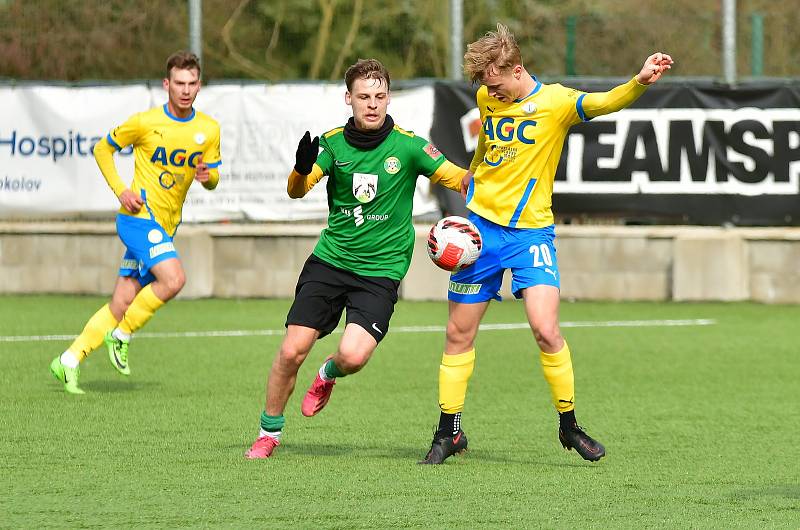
541	255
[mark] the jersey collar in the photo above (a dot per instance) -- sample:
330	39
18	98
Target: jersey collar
532	92
168	113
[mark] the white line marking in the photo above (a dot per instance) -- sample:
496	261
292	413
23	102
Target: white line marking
398	329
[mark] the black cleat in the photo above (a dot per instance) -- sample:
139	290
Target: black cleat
445	446
573	437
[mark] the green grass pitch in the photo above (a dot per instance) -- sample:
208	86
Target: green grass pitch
700	423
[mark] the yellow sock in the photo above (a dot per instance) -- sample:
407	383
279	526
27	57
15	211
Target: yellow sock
92	335
454	372
140	311
557	368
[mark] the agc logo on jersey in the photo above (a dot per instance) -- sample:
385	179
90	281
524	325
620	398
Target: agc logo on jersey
176	158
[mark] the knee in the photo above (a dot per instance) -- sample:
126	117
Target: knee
122	301
459	337
175	283
351	360
549	338
292	355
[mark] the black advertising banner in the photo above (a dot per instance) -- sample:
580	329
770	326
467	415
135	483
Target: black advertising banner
685	153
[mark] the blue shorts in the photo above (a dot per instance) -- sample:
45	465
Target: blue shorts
146	244
528	252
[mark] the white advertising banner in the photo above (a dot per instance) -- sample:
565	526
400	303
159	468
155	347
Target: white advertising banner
47	132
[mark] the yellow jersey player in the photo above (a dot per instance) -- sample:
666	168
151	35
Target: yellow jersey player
173	145
509	193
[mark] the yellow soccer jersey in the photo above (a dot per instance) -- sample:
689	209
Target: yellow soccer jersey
520	145
166	151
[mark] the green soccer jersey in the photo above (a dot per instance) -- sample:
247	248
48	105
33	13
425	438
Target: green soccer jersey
370	197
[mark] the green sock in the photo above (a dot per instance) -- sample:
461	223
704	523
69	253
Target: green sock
331	370
272	423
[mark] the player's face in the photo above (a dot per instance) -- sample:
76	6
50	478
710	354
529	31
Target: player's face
503	85
182	87
369	99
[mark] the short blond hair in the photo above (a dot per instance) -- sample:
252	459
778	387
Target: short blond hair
497	48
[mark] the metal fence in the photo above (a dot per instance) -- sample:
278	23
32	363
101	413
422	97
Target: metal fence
280	40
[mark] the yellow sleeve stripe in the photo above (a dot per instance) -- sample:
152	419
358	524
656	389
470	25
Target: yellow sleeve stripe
403	131
333	132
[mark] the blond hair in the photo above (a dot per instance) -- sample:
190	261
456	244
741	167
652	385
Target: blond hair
496	49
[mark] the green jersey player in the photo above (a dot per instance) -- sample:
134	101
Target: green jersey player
372	167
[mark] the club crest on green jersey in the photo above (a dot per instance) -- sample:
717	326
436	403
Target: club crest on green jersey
392	165
365	186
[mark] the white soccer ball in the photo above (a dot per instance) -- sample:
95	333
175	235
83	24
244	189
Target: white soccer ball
454	243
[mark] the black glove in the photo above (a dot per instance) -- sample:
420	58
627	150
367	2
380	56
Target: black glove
306	155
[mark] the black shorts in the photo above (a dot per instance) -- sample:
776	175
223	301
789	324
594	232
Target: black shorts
323	291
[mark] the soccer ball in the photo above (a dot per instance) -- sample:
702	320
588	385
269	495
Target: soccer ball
454	243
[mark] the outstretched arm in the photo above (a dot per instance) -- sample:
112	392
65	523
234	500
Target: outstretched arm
619	97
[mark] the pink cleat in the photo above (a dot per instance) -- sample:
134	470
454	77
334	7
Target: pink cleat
317	396
262	448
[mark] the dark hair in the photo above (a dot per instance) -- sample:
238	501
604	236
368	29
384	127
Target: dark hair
183	60
366	69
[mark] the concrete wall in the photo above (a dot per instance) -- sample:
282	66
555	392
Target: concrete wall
596	262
